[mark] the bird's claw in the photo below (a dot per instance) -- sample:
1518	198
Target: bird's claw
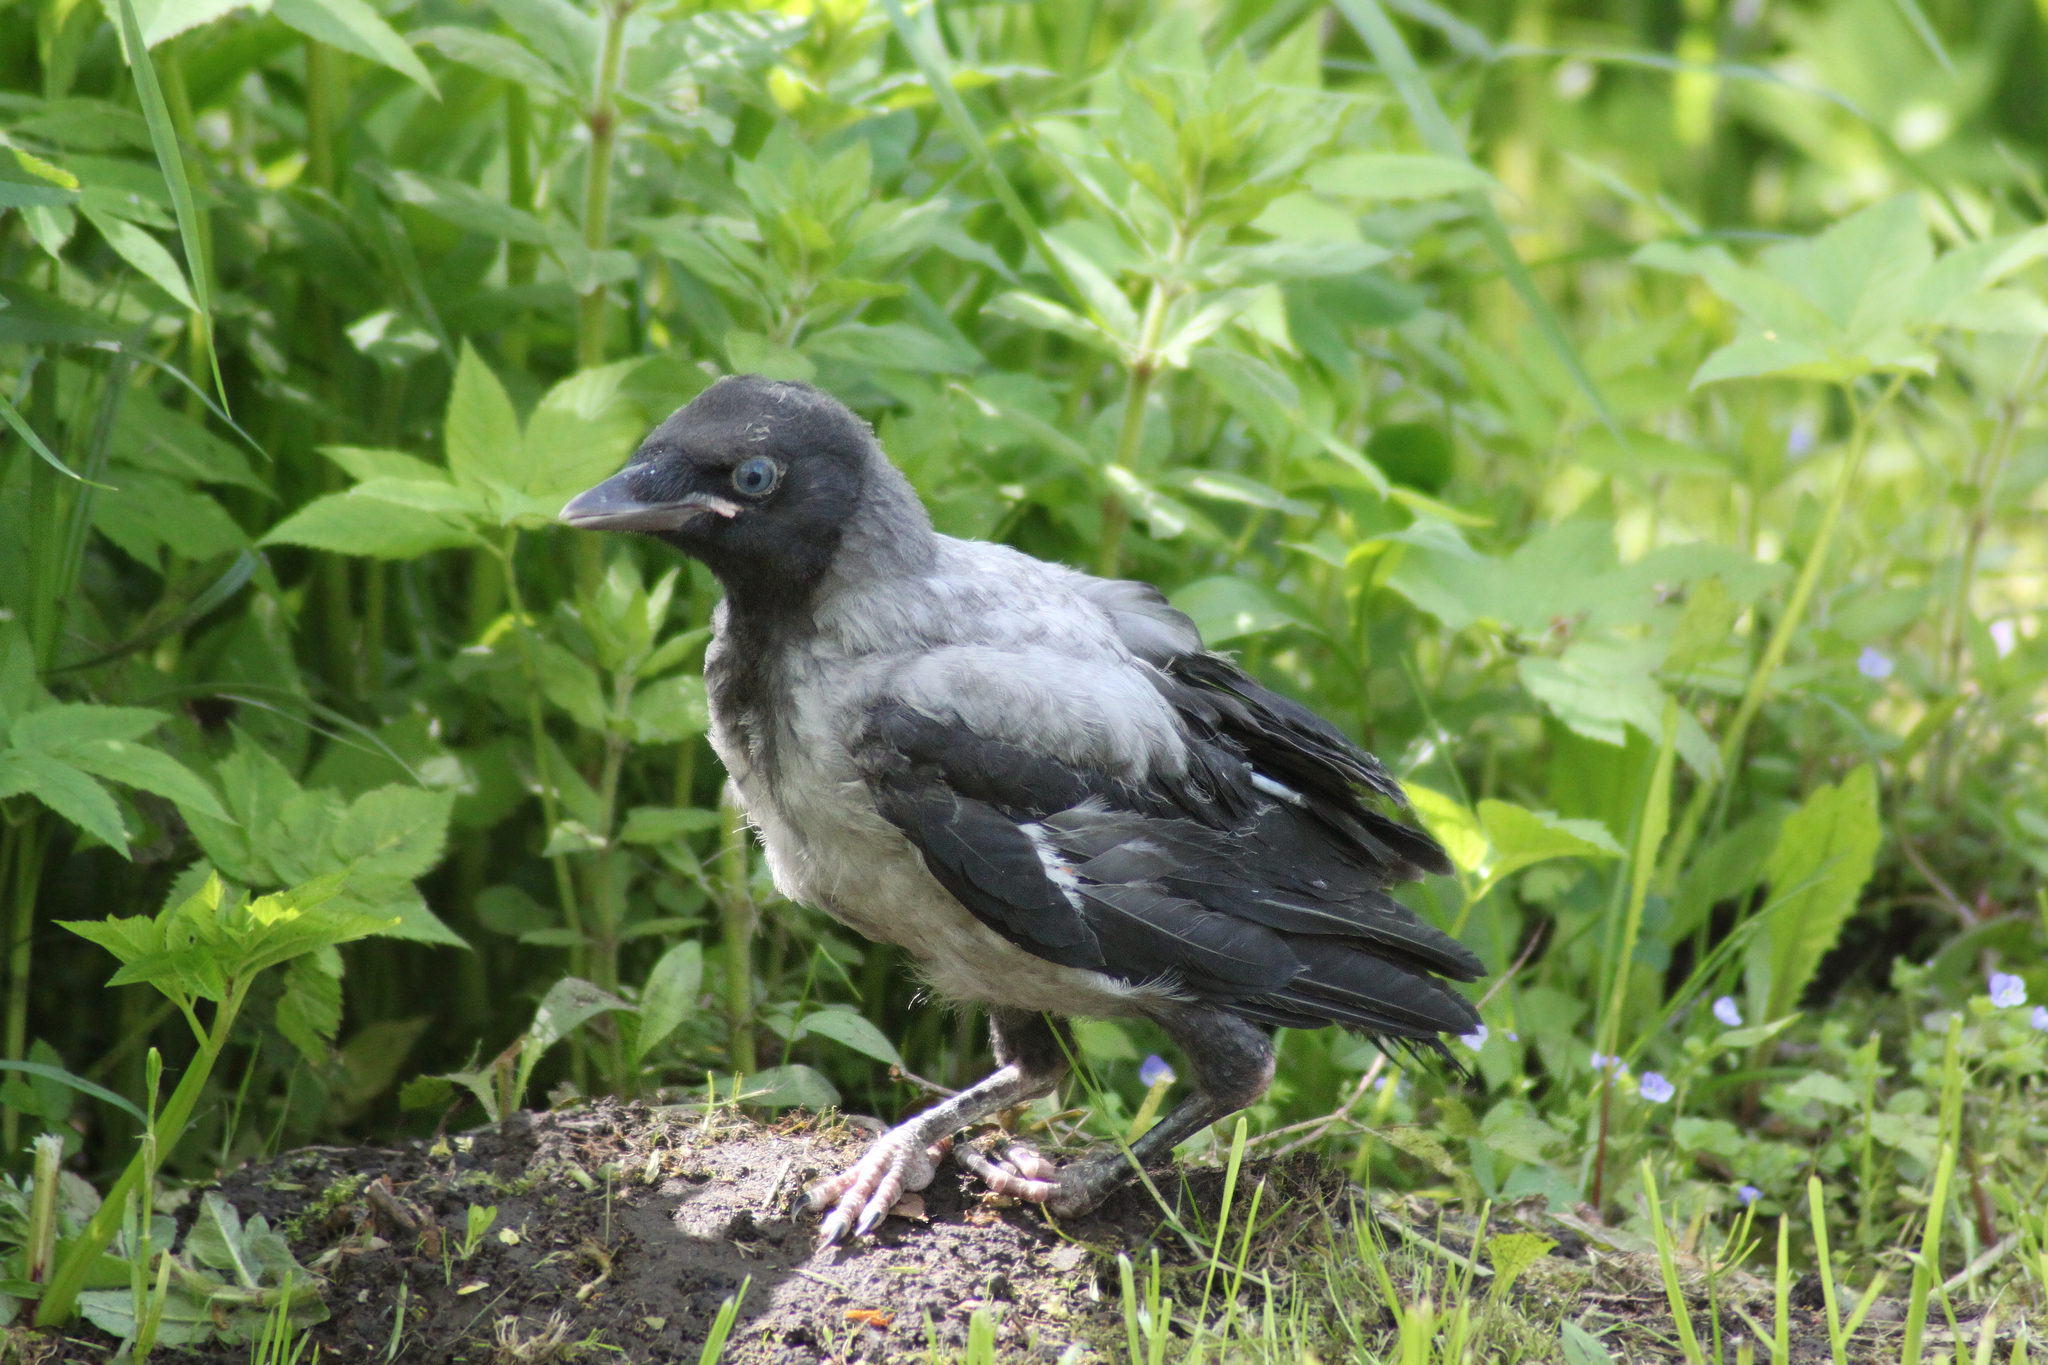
1022	1172
861	1196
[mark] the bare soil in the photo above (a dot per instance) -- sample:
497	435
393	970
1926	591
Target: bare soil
620	1229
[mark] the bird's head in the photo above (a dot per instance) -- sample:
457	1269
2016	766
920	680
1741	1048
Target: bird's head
758	478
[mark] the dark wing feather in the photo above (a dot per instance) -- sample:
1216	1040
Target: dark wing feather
1275	914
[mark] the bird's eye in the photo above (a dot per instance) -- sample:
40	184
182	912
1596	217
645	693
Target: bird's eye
756	476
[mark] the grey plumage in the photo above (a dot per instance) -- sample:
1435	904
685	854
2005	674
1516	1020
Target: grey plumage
1036	781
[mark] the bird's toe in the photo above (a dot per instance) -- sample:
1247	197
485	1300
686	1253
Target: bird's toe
861	1196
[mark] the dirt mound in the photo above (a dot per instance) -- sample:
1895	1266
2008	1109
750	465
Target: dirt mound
626	1226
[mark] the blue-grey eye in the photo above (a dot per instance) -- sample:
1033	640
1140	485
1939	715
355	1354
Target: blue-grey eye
756	476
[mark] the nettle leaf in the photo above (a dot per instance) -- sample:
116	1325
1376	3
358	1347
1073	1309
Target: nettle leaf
1522	837
892	346
670	995
1823	856
581	431
569	1003
669	710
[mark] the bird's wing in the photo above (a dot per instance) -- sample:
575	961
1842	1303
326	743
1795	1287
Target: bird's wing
1149	881
1310	761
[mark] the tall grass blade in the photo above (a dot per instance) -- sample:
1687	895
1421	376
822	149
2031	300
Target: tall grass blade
12	416
1927	1267
163	136
1667	1261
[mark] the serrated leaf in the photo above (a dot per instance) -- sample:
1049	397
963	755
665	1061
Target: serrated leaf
484	443
1824	855
364	463
1030	310
394	832
1393	175
151	770
662	824
58	730
66	790
1522	837
364	526
1453	826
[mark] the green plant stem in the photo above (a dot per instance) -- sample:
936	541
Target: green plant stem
1649	833
737	915
1130	438
21	869
603	120
521	258
1759	687
60	1300
537	734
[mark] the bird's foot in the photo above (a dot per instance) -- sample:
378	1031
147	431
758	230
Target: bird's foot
1022	1172
860	1197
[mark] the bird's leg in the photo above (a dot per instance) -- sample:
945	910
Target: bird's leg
1232	1062
903	1158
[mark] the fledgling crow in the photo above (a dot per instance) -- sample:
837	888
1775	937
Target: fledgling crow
1038	782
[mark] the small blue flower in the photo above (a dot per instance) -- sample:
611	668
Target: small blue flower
1799	440
1476	1039
2008	992
1514	1037
1655	1088
1155	1070
1749	1194
1873	664
1603	1062
1727	1012
2040	1019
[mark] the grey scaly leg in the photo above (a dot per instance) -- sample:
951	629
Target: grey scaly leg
1232	1062
1031	1064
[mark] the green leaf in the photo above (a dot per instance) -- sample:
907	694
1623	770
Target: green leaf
1029	310
493	54
854	1030
892	346
78	1083
670	710
1228	607
437	496
309	1009
66	790
484	444
146	254
353	26
664	824
1452	825
568	1003
670	995
783	1087
363	464
1389	175
582	430
151	770
572	685
394	832
365	526
58	730
1823	856
1523	837
28	181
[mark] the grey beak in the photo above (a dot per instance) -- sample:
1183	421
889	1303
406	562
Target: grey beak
611	506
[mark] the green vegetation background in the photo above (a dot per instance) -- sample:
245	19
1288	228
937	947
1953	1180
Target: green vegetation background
1622	415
